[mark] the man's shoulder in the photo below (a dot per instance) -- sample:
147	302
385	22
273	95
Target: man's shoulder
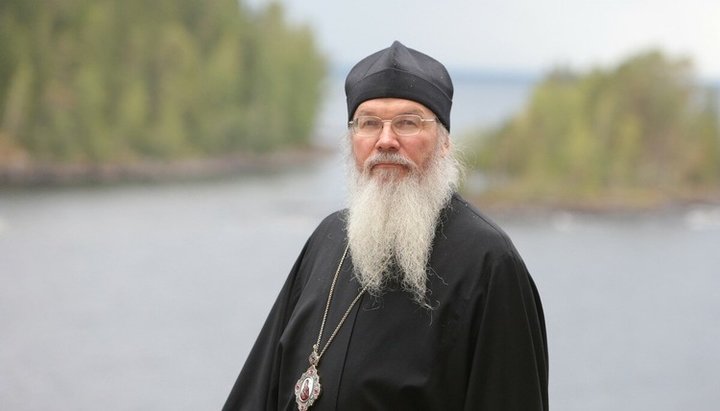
464	221
335	220
332	226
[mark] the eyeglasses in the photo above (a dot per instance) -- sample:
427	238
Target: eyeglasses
402	125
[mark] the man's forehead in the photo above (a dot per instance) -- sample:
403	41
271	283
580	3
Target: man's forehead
395	105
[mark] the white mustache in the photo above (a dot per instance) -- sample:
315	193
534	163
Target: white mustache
388	158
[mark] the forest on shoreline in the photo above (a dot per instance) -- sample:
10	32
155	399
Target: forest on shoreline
116	83
642	134
115	90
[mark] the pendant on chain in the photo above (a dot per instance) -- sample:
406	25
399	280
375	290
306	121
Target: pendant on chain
307	388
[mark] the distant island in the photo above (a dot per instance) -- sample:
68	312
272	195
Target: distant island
642	134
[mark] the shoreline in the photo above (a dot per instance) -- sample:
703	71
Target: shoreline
660	203
27	175
36	174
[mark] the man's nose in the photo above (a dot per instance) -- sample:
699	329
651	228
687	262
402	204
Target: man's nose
387	140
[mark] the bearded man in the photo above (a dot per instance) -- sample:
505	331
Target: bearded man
410	299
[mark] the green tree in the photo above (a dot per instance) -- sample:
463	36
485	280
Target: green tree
643	126
98	81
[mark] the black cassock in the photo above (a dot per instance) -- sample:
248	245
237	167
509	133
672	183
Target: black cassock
482	347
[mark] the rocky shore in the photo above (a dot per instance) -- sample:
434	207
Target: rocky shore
630	202
31	174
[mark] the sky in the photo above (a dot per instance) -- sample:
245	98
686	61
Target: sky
526	36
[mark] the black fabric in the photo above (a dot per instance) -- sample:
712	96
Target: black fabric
401	72
483	346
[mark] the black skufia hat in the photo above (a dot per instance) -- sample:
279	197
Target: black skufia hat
401	72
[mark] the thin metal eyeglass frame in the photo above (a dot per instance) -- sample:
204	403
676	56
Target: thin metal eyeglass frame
352	125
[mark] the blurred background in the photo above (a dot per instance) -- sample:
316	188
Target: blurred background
162	163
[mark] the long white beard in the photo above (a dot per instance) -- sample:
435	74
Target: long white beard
392	220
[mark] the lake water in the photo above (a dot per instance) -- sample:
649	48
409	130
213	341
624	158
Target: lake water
138	297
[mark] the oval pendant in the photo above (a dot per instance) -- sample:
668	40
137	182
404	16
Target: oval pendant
307	389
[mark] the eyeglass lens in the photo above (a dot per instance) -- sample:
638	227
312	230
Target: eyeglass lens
406	124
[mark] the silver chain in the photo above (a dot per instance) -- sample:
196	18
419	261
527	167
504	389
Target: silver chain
327	309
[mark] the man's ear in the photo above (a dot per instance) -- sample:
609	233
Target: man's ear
446	146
